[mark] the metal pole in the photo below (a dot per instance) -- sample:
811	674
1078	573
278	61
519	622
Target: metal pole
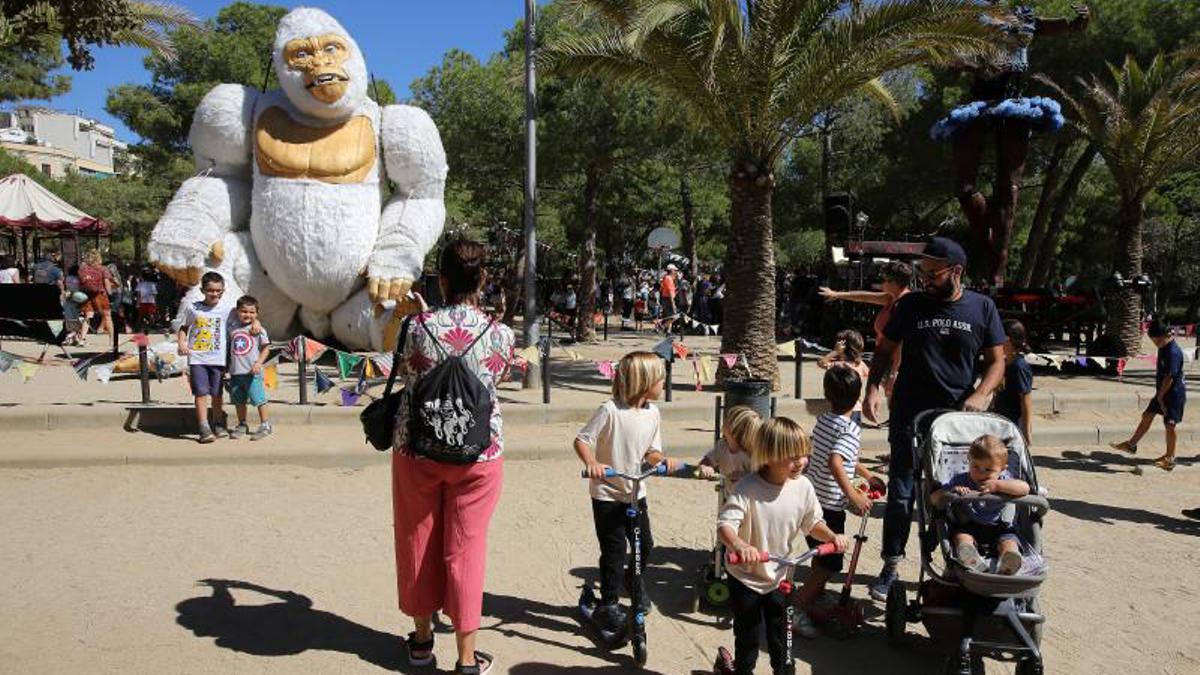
144	372
546	373
530	310
717	420
606	326
302	367
799	387
670	362
116	330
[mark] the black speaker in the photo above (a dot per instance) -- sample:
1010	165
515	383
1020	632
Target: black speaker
839	210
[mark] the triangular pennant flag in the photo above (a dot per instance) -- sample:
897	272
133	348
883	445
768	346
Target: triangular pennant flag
681	350
707	369
368	368
1121	363
1081	361
27	370
141	340
383	363
361	385
346	364
531	354
313	349
7	361
81	367
606	369
349	398
321	381
664	349
571	354
270	375
730	360
103	373
1099	361
786	348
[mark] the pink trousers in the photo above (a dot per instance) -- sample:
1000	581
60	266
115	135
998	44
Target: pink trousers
441	515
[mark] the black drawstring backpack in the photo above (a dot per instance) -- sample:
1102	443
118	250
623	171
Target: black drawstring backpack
450	408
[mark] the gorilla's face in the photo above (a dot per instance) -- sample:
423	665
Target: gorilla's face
320	60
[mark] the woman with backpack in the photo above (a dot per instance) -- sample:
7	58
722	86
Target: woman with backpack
96	281
447	464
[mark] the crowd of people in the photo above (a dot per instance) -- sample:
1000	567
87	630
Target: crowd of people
100	296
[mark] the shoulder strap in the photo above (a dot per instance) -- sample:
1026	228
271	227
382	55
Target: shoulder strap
433	338
396	356
480	336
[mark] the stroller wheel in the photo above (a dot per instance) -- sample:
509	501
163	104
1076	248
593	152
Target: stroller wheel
894	617
717	593
1030	667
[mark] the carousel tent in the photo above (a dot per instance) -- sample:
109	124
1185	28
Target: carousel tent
26	205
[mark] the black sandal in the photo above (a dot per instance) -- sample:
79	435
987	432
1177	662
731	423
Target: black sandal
476	668
419	653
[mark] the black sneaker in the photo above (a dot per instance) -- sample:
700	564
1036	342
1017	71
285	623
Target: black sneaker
610	619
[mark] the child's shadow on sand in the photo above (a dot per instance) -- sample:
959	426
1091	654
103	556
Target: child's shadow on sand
283	628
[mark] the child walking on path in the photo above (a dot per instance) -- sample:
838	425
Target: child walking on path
982	523
1014	398
730	457
767	511
247	352
847	352
623	433
833	463
1169	397
203	338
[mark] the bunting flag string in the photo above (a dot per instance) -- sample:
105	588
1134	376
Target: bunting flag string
312	349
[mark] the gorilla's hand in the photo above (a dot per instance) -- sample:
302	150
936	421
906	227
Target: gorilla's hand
190	275
380	289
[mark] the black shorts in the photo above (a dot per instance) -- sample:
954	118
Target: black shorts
835	521
1174	412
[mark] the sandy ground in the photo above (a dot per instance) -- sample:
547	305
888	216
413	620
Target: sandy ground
106	568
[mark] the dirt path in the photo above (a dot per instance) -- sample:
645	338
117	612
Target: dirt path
102	566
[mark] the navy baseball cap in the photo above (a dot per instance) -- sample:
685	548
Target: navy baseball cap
948	250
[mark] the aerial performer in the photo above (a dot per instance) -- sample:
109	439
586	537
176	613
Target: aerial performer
995	104
288	204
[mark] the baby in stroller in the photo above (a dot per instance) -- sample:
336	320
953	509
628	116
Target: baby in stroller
975	525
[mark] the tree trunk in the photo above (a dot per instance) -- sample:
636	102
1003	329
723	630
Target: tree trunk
585	327
748	325
1124	323
1048	250
689	226
826	136
1037	229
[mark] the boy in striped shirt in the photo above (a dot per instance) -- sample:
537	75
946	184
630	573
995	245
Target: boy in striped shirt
834	460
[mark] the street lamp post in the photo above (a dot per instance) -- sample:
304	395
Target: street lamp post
530	309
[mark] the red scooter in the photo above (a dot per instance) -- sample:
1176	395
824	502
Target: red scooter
843	619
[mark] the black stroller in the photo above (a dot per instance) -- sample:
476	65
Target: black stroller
977	615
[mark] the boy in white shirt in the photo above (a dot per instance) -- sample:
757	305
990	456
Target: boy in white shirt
203	339
767	511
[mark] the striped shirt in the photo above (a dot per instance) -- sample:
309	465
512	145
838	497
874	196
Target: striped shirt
833	434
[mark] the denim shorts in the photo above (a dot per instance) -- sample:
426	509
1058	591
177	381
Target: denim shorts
206	380
247	388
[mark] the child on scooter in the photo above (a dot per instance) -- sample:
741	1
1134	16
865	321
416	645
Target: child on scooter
765	512
623	433
730	457
833	463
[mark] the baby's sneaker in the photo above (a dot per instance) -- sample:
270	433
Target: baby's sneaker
969	556
239	431
1010	563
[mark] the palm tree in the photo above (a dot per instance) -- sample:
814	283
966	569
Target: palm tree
153	21
135	23
755	74
1145	124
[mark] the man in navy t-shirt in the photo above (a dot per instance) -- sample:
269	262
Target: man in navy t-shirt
941	332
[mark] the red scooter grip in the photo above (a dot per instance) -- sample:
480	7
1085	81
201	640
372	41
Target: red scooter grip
734	559
826	549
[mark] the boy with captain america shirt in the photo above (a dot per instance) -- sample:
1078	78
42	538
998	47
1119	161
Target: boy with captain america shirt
247	352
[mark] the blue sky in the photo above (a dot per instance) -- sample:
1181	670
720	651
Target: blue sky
401	39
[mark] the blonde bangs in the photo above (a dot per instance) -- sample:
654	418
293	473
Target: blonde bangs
742	423
778	439
636	373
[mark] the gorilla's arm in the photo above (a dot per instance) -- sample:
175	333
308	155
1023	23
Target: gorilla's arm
217	200
412	219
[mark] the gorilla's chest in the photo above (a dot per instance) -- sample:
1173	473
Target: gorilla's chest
344	153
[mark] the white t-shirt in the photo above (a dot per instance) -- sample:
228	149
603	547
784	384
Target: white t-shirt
770	518
208	332
621	436
9	275
731	465
832	434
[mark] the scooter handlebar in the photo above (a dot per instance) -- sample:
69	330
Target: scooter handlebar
763	556
734	559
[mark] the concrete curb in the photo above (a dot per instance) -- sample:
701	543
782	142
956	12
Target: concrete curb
354	454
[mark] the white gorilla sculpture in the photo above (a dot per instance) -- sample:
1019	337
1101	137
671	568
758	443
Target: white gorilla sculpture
301	168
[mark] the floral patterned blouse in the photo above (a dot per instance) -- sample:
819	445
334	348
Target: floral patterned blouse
455	328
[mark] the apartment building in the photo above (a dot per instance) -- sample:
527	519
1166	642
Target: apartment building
57	142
